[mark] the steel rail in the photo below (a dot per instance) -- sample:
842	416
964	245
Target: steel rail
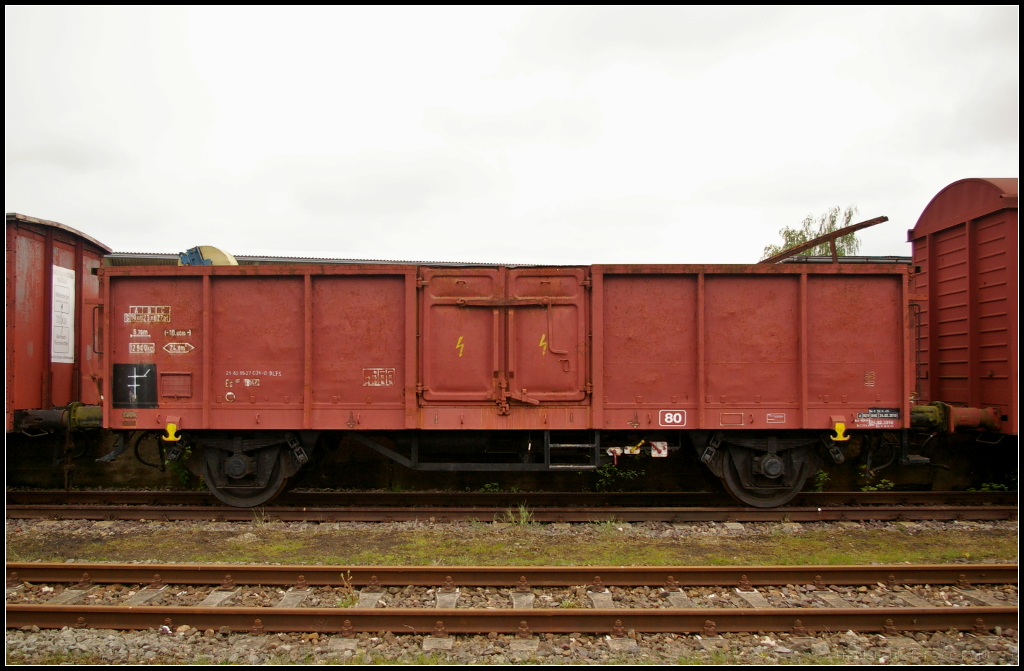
477	621
546	514
495	576
449	499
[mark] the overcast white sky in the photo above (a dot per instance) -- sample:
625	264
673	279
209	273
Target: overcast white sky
508	135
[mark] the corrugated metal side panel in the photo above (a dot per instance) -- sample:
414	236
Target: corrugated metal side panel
965	245
91	369
920	286
950	328
34	379
26	340
995	380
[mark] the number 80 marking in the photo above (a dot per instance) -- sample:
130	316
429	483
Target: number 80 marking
672	418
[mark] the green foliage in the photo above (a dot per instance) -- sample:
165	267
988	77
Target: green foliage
990	487
522	517
179	469
495	487
812	227
531	545
611	478
349	597
609	526
882	486
259	517
820	480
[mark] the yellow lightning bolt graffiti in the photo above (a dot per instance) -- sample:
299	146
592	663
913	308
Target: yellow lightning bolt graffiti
459	346
543	343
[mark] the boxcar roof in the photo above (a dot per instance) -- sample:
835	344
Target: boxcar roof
963	200
15	217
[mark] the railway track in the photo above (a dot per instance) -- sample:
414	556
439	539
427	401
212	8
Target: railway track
533	499
518	599
542	507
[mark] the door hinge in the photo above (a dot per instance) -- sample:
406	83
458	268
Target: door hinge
419	388
585	283
588	388
420	282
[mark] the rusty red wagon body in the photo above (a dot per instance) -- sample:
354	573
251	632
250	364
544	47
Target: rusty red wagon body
52	298
965	244
392	347
763	370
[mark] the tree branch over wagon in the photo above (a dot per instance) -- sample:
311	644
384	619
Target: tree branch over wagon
821	236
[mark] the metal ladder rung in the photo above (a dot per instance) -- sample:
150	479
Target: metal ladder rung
594	457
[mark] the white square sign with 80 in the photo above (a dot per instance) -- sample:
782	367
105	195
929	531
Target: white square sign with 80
675	418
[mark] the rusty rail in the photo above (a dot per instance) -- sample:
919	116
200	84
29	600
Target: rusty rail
488	514
473	620
536	576
521	621
323	499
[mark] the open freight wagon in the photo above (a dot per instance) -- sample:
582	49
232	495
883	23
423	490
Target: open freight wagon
237	356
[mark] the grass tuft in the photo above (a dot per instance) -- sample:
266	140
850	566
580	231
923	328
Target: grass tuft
521	517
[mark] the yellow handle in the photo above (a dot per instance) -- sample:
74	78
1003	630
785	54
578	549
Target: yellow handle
171	433
633	449
840	432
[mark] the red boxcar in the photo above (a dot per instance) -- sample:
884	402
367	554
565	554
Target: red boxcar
52	298
965	244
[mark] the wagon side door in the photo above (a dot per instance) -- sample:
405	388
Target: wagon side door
461	336
547	337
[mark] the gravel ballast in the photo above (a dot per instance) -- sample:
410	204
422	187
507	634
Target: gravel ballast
191	646
365	543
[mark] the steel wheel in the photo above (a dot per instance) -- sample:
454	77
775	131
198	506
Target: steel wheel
767	497
244	493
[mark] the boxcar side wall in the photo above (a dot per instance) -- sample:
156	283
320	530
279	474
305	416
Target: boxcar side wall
389	347
737	348
50	295
965	244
